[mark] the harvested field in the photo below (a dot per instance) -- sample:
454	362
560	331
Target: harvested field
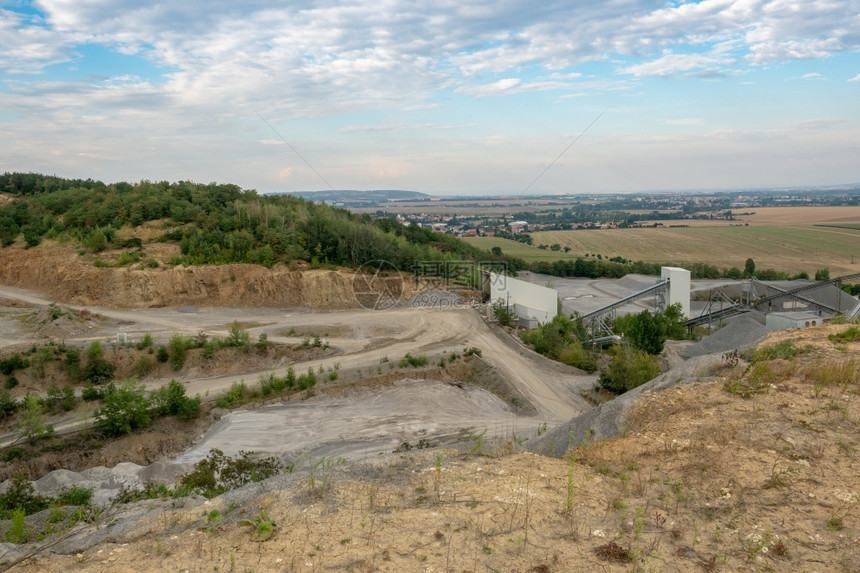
789	249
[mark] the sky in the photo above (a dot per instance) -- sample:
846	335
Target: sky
441	96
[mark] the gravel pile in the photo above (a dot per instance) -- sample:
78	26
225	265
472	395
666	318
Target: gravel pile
106	482
609	420
742	332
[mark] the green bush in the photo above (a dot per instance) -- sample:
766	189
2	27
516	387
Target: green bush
218	473
75	495
123	409
57	399
145	342
178	351
785	350
413	361
21	495
12	363
235	395
628	369
90	392
237	337
162	355
171	400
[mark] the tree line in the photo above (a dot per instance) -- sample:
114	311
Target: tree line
217	223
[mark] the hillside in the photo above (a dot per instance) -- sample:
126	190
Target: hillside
752	467
206	224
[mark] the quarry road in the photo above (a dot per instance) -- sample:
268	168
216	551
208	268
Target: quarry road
364	339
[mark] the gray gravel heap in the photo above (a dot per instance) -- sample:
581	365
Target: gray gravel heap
742	332
609	419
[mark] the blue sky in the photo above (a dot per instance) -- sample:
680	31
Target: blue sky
440	96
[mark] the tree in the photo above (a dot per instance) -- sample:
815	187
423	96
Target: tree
178	351
98	370
645	331
171	400
628	369
497	251
123	409
33	425
822	275
749	267
504	314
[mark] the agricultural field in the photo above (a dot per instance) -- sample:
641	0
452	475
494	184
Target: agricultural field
843	216
527	253
790	248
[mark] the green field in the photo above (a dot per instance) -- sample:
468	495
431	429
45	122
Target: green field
517	249
784	248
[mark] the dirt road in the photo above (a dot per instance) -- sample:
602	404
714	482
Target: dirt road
364	339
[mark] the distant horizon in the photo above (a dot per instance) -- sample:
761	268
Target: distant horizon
470	194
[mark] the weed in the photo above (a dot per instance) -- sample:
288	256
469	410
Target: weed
758	378
17	532
318	485
413	361
213	519
478	446
263	526
779	477
613	552
785	349
75	495
851	334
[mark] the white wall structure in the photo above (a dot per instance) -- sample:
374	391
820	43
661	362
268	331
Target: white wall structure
679	287
798	319
528	300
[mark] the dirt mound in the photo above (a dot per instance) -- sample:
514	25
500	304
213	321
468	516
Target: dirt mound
64	275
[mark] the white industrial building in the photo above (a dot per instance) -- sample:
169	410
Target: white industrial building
796	319
679	287
532	303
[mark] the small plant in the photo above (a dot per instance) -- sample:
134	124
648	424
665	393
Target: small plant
262	525
613	552
472	351
568	499
75	495
17	532
478	443
413	361
213	519
318	485
785	350
145	342
852	334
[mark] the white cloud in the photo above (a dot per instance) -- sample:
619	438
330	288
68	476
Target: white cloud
217	62
495	88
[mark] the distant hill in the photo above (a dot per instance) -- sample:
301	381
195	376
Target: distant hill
352	198
215	223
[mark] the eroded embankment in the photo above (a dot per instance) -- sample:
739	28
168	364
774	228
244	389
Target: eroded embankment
68	277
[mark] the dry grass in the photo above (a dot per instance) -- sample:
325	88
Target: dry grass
703	479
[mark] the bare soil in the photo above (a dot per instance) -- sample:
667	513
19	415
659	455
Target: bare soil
70	277
705	479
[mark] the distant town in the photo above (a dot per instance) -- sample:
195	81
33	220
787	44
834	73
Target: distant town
515	217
